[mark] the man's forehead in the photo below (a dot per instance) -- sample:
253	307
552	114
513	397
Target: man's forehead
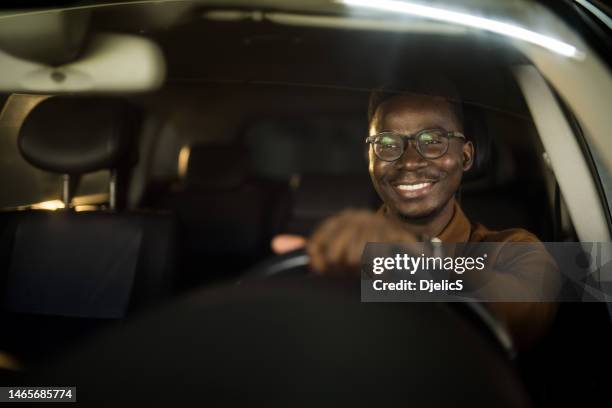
408	113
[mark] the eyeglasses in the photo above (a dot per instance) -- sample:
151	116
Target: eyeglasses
430	143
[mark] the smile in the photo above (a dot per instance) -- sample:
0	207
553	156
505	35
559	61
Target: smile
413	190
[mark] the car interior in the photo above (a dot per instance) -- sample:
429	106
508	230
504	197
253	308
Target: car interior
116	204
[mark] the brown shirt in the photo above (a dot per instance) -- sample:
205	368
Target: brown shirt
531	263
460	229
517	270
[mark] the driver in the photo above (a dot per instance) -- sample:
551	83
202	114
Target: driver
417	179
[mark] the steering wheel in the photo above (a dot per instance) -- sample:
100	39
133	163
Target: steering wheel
295	264
296	342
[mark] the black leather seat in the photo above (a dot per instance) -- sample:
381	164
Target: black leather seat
64	272
225	215
492	193
318	196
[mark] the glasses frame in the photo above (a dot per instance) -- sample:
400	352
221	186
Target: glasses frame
406	138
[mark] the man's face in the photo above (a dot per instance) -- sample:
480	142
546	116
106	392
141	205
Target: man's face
414	187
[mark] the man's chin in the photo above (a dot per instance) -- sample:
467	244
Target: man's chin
417	214
415	217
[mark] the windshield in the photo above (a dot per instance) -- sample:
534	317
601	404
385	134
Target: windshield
453	157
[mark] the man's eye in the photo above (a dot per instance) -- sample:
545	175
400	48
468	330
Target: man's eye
429	139
388	146
388	142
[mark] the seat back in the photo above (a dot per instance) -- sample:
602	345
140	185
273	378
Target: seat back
65	273
224	214
492	192
318	196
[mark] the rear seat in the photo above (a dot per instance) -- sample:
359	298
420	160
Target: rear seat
318	196
65	273
226	217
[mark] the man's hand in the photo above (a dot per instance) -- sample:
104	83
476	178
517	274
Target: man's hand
336	246
283	243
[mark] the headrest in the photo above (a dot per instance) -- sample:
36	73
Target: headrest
475	129
318	196
78	135
322	195
218	166
493	165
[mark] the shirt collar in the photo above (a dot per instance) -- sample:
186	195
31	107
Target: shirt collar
458	229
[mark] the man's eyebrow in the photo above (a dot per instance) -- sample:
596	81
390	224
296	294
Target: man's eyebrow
420	129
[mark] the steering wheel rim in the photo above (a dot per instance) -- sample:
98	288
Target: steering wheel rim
295	263
292	263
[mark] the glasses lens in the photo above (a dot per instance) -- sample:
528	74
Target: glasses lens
432	144
388	146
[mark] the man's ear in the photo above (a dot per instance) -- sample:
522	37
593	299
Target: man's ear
468	155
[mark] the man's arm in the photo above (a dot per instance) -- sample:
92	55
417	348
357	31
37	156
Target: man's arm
336	246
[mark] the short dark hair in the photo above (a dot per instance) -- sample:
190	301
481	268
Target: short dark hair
436	87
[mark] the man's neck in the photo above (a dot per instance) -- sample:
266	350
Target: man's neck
427	227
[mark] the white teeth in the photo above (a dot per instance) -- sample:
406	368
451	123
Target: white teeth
412	187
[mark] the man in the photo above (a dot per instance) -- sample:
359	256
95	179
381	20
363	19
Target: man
417	156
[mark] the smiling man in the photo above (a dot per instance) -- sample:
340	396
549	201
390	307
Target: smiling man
417	156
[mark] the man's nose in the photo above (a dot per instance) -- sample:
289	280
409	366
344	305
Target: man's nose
411	158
